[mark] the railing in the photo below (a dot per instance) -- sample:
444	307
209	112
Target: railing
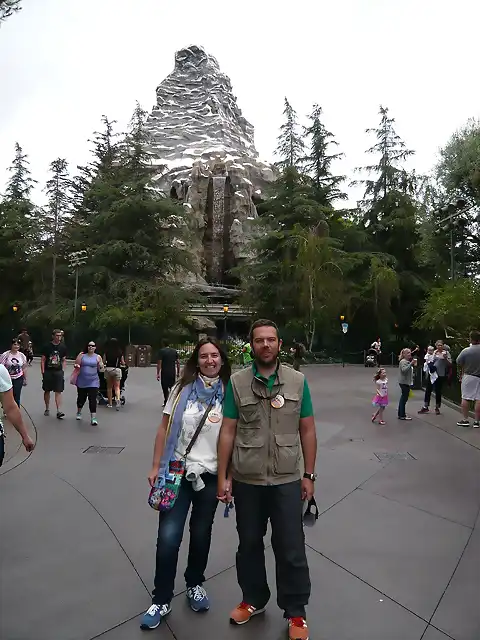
217	311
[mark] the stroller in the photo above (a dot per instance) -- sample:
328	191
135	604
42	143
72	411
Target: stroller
102	397
371	359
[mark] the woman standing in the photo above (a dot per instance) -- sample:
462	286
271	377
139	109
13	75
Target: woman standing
405	380
113	360
16	365
439	365
88	364
201	389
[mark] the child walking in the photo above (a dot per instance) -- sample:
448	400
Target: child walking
380	399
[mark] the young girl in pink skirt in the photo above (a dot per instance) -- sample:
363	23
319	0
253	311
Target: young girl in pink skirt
380	399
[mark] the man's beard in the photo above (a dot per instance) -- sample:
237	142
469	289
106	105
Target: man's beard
265	363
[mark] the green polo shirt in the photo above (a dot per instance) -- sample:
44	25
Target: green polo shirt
230	409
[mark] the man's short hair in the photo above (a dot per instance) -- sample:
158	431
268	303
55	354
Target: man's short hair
55	331
475	336
262	323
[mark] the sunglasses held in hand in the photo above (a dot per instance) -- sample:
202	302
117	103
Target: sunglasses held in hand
309	518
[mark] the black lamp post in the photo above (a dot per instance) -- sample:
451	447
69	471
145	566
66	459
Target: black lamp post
342	320
225	312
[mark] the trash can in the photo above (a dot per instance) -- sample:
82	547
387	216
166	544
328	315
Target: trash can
131	355
144	355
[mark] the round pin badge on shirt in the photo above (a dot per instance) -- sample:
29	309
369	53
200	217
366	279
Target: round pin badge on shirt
278	402
214	417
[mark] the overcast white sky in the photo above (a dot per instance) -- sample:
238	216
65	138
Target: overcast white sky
64	63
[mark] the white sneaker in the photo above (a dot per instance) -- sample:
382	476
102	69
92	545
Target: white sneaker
78	416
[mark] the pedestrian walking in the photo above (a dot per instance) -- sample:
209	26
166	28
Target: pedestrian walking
88	364
188	434
438	364
113	360
12	412
24	340
380	399
16	364
168	368
469	362
52	366
298	351
405	380
268	415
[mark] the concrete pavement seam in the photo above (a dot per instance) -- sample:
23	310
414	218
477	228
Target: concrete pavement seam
383	466
412	506
174	597
451	578
379	591
109	528
454	435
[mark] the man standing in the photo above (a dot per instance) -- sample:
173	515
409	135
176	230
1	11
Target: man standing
12	412
52	368
469	361
298	351
267	414
168	368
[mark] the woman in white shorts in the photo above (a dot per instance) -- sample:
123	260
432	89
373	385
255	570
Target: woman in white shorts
113	360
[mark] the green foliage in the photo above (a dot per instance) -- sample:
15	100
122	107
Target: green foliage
454	307
458	171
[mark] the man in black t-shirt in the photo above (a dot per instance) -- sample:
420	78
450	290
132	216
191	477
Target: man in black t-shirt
52	365
168	368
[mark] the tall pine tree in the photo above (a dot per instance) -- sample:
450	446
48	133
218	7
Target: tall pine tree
19	233
56	214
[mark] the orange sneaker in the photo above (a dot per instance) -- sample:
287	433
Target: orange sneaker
297	629
243	613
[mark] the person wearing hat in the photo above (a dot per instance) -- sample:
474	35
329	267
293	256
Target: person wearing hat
268	415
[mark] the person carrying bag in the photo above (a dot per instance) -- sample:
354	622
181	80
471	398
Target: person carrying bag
184	476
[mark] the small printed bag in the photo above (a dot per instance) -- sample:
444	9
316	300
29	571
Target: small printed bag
163	498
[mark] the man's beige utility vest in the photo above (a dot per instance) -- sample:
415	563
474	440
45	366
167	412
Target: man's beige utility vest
266	450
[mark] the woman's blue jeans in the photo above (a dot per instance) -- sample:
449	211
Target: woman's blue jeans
403	400
170	533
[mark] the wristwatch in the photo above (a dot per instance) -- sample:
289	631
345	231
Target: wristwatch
310	476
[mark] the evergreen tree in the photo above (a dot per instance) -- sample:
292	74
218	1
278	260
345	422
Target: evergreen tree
19	232
318	162
291	146
389	172
390	217
133	233
8	8
58	189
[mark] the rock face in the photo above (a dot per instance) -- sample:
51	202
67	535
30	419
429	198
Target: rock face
205	152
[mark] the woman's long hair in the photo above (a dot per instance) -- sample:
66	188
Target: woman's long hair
190	370
112	349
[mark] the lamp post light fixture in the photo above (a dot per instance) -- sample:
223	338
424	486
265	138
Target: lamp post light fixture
83	307
15	308
225	312
77	259
344	331
449	219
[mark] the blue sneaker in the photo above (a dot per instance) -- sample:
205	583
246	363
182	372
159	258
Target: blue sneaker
153	617
198	599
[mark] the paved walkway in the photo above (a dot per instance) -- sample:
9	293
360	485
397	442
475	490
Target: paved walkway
395	554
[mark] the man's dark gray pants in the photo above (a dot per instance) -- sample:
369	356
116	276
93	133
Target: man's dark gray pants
282	504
